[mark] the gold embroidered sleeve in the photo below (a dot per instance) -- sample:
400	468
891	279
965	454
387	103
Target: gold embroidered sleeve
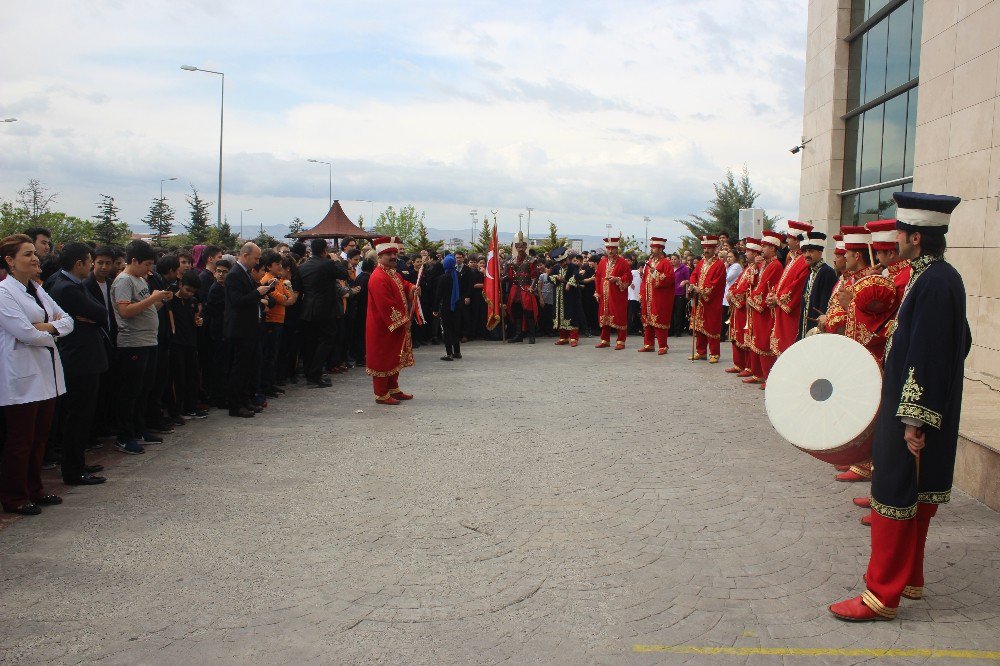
397	317
910	405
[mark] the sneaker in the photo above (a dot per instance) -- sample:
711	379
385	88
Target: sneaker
198	414
50	464
164	428
150	438
129	446
178	420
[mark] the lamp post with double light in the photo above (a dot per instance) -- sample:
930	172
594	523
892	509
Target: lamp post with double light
245	210
331	177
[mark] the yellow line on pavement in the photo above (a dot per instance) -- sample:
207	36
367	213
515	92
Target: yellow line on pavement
822	652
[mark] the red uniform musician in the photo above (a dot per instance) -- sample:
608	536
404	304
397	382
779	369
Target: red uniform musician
656	296
387	327
787	301
739	323
836	315
708	286
761	316
521	273
613	277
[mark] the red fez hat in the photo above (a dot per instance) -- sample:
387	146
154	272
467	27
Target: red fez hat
709	241
385	244
856	239
772	238
840	249
795	228
883	234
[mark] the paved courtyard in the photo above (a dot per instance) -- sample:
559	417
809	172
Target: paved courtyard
532	505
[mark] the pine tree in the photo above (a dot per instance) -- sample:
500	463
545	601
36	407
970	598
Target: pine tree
553	240
421	241
223	236
361	222
723	212
198	228
109	229
296	226
160	219
482	244
264	240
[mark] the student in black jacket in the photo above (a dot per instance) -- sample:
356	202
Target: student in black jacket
214	314
184	312
84	357
98	283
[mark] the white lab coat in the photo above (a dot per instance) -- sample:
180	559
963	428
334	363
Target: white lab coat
28	372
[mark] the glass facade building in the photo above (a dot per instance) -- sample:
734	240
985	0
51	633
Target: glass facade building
881	113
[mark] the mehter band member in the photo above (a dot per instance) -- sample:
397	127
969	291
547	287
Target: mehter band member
656	297
708	286
388	348
916	433
614	275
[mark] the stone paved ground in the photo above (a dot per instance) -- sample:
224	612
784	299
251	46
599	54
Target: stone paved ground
532	505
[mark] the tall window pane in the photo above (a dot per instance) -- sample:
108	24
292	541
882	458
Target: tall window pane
911	131
918	21
898	56
871	147
849	211
856	79
894	138
874	6
875	57
852	148
868	207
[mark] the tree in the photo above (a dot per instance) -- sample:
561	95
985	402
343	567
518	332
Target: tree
723	212
421	241
109	229
198	228
35	200
296	226
402	223
65	228
361	222
223	236
160	219
482	244
264	240
553	240
629	244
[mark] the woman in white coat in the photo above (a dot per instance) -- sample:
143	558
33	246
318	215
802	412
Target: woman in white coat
31	375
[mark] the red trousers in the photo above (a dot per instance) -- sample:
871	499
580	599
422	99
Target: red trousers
705	344
766	363
897	560
652	333
606	333
569	335
21	465
738	357
753	362
385	386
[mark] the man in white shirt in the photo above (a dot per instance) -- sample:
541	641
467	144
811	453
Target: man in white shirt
634	307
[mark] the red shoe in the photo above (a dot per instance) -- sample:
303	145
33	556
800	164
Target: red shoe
850	477
562	341
763	385
387	401
863	502
603	344
842	468
619	346
573	343
734	370
697	357
645	348
663	350
745	373
399	395
866	520
854	610
751	380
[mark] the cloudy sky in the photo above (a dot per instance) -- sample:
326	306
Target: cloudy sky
590	112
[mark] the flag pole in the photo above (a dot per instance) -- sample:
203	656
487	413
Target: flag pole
503	304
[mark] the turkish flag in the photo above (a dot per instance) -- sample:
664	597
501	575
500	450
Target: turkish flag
491	284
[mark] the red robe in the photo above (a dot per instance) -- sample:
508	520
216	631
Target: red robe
836	315
656	294
388	348
612	300
706	315
788	313
870	313
761	315
738	308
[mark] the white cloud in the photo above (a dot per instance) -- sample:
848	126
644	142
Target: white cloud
589	112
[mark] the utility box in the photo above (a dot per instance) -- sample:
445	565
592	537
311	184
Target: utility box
751	223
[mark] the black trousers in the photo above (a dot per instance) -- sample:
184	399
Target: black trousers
79	405
160	393
678	319
270	348
221	363
451	323
136	376
243	372
184	375
287	365
318	339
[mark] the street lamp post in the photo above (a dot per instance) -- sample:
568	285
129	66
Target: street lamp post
9	120
331	178
645	218
520	219
163	180
529	223
222	115
474	214
245	210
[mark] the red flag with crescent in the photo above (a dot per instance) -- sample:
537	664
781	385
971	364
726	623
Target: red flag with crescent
491	284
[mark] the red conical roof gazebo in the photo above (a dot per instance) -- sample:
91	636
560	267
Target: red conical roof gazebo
335	224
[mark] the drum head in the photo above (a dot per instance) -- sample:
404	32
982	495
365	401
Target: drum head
823	392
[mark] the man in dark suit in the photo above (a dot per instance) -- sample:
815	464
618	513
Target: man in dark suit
84	354
241	326
321	310
466	331
98	283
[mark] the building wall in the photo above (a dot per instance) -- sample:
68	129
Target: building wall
827	57
958	152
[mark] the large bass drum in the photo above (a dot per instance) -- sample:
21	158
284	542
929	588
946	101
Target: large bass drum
823	395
